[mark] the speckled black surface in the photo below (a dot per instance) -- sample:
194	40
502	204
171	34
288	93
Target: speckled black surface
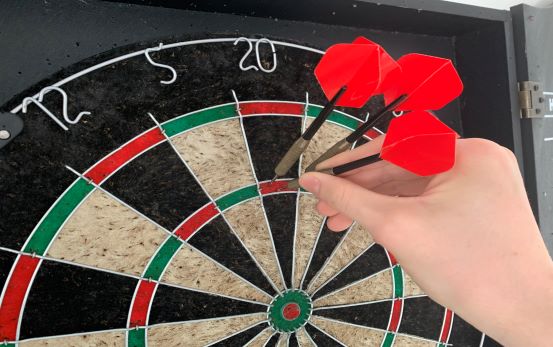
272	341
489	342
320	338
66	299
374	315
242	338
173	304
281	214
160	186
463	334
328	240
293	342
6	262
217	241
119	97
370	262
422	317
267	150
69	299
29	178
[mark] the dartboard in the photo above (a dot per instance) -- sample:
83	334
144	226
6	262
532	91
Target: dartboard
137	209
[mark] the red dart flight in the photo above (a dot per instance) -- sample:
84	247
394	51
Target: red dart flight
390	72
362	66
429	82
419	142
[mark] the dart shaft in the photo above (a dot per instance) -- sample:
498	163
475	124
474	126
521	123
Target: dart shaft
323	115
340	146
340	169
356	164
300	145
291	157
363	128
346	143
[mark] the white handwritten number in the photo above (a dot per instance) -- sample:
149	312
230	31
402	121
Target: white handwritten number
241	63
38	102
273	51
257	55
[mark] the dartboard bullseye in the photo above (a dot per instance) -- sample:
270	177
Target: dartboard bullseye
290	311
153	220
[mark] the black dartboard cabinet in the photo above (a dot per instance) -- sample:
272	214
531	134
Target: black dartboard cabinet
138	142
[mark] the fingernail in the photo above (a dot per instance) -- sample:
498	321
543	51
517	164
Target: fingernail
310	183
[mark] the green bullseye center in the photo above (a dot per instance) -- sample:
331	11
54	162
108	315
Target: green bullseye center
290	311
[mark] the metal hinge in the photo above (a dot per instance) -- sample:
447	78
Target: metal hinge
531	99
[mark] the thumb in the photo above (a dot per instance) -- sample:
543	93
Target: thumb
366	207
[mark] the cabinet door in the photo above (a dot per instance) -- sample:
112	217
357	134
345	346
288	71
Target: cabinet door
533	33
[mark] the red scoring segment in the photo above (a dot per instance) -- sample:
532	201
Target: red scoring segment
14	296
108	165
291	311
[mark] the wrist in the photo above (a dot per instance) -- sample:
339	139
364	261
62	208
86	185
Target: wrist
531	312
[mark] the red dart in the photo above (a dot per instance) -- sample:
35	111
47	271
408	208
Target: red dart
429	82
355	66
417	142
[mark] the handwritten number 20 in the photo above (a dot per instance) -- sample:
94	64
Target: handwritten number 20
258	58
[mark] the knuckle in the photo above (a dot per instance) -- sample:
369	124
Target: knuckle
485	151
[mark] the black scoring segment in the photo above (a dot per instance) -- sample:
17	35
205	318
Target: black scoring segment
160	186
172	304
328	240
489	342
422	317
371	261
6	264
320	338
217	240
273	341
30	183
463	334
293	342
281	213
67	299
279	133
374	315
241	339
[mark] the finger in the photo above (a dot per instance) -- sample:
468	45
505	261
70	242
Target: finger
352	200
369	148
339	222
415	187
379	173
326	210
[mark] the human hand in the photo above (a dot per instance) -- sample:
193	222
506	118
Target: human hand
467	236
